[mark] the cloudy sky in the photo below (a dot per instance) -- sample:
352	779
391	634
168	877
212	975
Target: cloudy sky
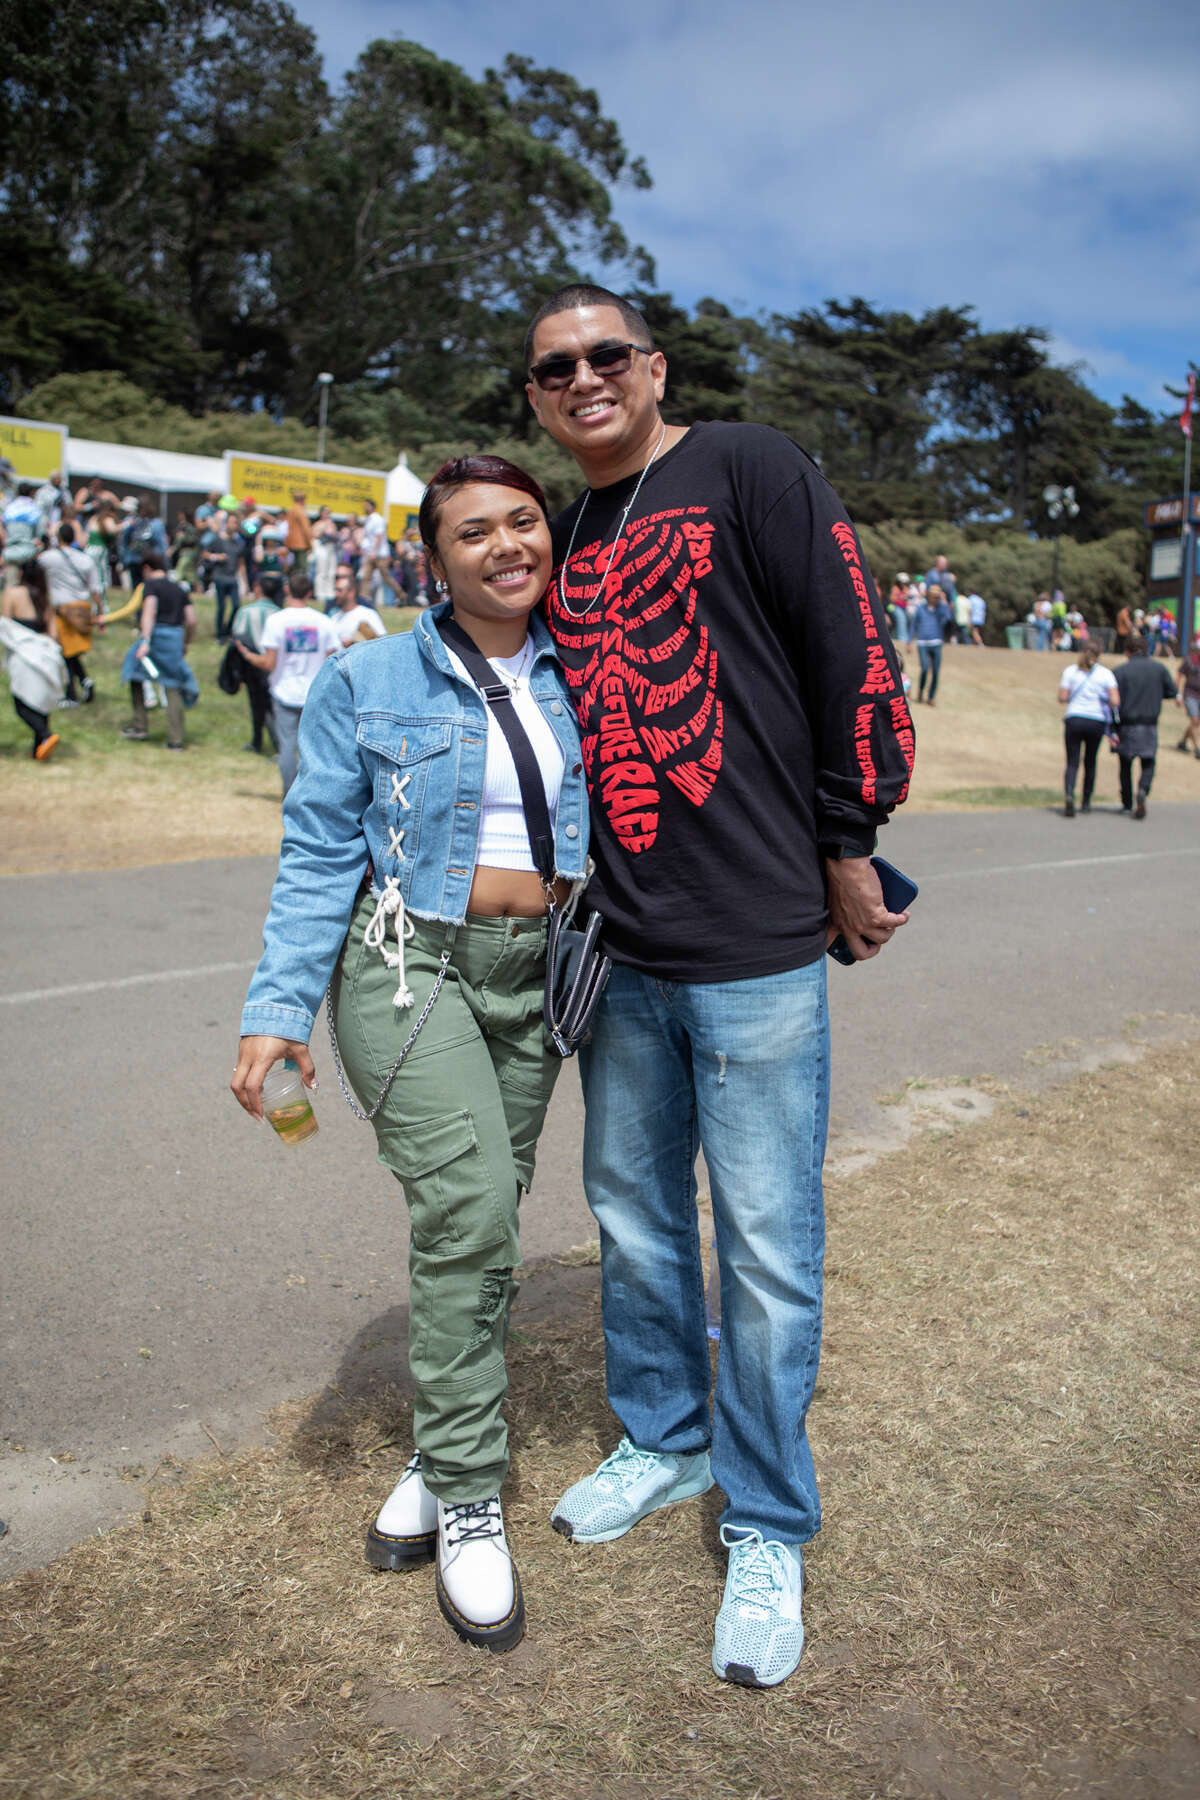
1037	161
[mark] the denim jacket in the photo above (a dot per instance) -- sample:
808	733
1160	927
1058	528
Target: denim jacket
393	745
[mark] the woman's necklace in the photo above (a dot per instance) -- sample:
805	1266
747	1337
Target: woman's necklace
562	597
513	679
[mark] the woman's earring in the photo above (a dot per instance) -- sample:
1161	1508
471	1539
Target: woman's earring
439	587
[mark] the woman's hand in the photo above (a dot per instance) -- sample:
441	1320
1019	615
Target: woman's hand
255	1056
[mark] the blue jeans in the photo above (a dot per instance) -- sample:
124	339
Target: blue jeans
287	730
740	1068
227	596
931	668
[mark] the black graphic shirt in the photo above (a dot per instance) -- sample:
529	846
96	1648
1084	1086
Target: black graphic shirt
739	702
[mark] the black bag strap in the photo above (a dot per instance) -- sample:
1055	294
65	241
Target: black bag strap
498	696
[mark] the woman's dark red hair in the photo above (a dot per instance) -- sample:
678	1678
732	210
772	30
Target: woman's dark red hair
462	471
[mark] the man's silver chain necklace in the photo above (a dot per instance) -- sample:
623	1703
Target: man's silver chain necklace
562	596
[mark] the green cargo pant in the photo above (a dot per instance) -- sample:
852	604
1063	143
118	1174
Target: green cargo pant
458	1129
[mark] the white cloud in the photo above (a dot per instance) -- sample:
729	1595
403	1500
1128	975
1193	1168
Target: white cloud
1035	162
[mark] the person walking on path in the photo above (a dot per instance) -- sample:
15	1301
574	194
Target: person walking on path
221	555
1142	684
1089	692
325	558
295	643
249	623
32	656
166	628
1189	688
928	629
22	526
375	567
745	735
75	595
407	773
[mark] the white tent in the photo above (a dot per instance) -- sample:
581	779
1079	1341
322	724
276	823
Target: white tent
162	471
404	491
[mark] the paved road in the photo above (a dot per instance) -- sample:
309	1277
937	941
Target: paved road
169	1271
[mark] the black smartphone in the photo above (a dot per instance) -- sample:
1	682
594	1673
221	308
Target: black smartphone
898	895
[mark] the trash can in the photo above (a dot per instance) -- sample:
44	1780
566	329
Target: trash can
1031	637
1016	636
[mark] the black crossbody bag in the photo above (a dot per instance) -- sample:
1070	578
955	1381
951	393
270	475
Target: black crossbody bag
576	967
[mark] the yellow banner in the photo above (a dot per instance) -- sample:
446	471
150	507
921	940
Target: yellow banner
272	480
399	520
33	449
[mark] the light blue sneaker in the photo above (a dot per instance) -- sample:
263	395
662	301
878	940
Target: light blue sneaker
628	1485
759	1636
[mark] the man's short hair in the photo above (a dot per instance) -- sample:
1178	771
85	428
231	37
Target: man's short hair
300	587
1137	644
583	293
66	533
153	560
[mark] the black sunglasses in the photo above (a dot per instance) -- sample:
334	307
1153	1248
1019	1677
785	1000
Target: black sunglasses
606	359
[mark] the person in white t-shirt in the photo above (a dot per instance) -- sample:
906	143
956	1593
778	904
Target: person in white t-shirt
374	565
295	643
352	621
1089	692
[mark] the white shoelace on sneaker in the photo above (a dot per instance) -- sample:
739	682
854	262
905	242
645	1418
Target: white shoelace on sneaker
626	1465
755	1573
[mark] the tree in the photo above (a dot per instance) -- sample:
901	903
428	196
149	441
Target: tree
58	316
862	390
145	143
432	210
1143	462
1027	424
706	357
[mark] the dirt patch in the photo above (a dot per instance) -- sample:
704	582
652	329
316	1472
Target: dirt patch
1002	1601
121	818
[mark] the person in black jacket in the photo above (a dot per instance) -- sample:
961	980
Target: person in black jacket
1143	685
745	735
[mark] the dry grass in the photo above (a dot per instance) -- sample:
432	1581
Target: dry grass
995	736
165	809
1002	1602
993	739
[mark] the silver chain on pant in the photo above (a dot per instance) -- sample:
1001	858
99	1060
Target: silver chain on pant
409	1041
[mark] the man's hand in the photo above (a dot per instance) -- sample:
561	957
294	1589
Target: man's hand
856	907
255	1056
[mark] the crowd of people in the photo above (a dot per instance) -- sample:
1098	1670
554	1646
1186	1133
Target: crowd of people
65	552
232	545
930	612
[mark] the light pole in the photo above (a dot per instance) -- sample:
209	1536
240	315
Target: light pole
324	382
1059	500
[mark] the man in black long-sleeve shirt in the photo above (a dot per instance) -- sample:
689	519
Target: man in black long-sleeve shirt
745	734
1143	685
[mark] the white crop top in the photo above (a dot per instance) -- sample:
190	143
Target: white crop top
503	835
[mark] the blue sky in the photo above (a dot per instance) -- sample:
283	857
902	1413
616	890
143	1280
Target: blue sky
1037	161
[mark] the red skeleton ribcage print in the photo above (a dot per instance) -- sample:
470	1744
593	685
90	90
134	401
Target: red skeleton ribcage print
641	669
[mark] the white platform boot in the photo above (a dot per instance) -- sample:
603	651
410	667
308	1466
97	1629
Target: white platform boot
405	1532
478	1588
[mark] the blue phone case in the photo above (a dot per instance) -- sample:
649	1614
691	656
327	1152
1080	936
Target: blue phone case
898	895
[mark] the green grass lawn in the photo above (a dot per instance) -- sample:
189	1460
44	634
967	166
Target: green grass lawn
218	724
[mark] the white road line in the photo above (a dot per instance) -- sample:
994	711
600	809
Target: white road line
228	968
1067	862
121	981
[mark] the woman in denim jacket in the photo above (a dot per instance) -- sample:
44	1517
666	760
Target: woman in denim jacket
406	885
